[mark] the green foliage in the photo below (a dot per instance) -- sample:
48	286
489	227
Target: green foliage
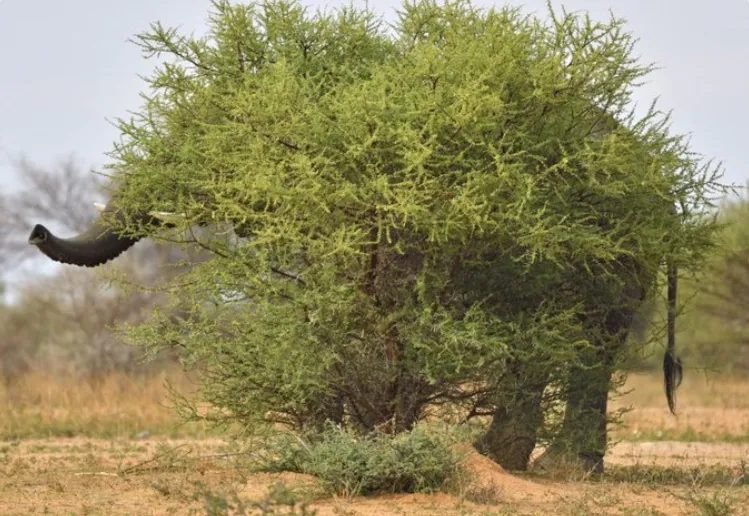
717	313
352	465
715	302
416	213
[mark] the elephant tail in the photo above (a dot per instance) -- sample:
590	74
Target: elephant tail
672	368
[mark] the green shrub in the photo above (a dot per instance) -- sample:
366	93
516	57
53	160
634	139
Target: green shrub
347	464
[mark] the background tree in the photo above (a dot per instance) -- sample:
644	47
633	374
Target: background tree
60	320
720	319
714	322
62	194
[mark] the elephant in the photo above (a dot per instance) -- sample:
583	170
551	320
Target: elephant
512	434
509	440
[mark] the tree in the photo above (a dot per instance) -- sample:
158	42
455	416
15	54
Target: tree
455	212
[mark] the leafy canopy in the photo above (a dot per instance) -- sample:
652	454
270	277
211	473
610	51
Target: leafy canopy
415	203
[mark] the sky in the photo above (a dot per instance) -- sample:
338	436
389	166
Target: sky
67	71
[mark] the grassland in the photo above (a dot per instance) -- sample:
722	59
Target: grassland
113	447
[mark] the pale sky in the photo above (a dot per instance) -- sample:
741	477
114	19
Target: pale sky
66	69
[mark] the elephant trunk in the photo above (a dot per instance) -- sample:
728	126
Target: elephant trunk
95	246
91	248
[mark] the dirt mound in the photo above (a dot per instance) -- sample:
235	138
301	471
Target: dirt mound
485	474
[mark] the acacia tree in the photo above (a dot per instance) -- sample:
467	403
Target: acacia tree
455	211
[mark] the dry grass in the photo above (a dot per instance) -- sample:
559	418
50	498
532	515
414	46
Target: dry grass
117	405
37	406
101	469
699	389
710	408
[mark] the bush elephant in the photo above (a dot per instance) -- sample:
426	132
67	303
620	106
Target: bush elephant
512	434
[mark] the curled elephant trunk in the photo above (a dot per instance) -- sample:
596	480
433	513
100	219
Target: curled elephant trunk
95	246
98	244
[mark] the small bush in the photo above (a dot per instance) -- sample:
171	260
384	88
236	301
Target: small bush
350	465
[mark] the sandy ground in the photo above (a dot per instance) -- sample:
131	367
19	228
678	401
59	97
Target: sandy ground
667	470
150	477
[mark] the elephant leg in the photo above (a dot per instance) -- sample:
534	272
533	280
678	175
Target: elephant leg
511	437
584	436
